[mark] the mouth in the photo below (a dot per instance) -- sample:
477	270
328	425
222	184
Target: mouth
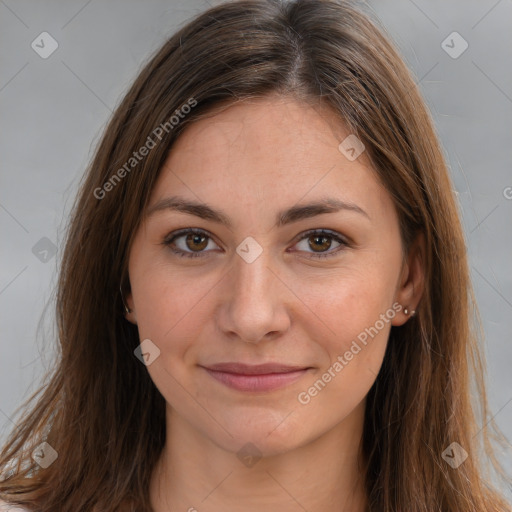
255	378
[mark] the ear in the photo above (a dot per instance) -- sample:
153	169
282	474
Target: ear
412	281
130	315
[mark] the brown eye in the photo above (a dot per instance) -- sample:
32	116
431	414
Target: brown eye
196	241
189	243
319	242
192	243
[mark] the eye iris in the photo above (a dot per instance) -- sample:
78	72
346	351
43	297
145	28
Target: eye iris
323	239
196	239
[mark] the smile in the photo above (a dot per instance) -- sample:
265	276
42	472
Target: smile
255	378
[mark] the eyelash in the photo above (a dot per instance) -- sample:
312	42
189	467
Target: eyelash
318	232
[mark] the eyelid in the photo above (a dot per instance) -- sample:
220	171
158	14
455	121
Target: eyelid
321	231
185	231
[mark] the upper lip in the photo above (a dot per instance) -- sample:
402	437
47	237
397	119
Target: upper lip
254	369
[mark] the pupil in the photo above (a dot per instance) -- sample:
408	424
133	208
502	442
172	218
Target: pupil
196	241
323	239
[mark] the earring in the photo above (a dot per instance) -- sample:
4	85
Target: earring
127	310
412	312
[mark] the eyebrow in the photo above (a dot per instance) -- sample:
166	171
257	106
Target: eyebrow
293	214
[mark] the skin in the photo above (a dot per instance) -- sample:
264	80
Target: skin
250	161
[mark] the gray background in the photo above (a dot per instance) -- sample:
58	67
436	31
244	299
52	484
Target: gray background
53	110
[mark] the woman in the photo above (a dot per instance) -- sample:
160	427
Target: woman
264	302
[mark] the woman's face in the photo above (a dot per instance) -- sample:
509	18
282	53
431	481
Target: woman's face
260	284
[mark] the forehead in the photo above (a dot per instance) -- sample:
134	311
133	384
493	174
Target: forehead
266	151
293	130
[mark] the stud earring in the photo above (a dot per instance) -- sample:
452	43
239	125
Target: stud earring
406	311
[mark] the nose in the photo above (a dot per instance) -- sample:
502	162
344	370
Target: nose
253	304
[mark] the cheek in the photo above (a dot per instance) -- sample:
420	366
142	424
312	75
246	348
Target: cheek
172	310
352	358
350	320
344	305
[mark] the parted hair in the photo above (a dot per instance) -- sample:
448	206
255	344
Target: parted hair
98	407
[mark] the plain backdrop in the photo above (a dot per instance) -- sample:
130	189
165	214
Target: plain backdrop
53	110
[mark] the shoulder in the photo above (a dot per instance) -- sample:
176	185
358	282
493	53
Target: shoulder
9	507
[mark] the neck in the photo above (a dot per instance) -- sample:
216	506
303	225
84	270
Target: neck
195	475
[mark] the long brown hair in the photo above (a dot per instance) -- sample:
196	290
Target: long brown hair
99	409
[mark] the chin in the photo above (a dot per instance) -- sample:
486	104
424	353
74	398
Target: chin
270	432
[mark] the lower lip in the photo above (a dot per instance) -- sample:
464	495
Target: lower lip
266	382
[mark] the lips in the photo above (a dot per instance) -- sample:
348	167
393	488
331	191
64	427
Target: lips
256	378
